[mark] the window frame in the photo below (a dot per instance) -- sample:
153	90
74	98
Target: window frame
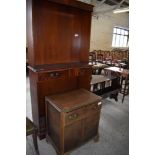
116	34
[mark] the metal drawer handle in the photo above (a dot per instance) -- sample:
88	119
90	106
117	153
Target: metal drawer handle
55	75
73	116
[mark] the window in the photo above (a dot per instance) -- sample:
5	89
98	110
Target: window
120	37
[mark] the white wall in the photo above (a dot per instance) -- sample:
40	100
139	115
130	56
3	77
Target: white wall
102	29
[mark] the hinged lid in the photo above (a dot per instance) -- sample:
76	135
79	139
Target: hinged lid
71	100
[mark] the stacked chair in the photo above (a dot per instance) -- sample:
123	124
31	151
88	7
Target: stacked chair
116	57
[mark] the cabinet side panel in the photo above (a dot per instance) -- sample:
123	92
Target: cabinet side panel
34	98
29	32
53	125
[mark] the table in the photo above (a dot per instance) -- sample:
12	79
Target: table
97	69
124	76
121	71
105	86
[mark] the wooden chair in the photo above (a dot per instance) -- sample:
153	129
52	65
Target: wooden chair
92	57
32	130
125	87
100	58
108	58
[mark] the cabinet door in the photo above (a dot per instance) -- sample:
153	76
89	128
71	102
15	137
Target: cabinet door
72	135
57	33
91	126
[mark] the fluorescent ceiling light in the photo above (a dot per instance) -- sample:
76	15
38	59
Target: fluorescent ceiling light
121	10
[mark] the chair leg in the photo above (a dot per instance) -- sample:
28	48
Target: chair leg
34	136
123	98
124	93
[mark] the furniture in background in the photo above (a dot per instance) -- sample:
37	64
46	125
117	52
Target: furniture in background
125	86
58	39
31	129
121	71
106	86
98	68
72	119
92	58
115	57
124	78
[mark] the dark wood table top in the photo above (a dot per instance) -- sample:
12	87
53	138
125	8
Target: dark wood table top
72	100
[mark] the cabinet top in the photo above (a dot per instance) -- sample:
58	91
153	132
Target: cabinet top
72	100
48	68
75	3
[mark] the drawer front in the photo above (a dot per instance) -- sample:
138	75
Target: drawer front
74	72
93	108
91	127
53	75
75	115
85	71
73	135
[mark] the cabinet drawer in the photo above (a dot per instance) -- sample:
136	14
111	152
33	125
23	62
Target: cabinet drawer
74	115
53	75
80	72
85	71
93	108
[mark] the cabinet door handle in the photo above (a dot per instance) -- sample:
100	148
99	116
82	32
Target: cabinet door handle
73	116
70	117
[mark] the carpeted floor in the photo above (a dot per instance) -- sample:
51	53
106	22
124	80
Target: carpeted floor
113	130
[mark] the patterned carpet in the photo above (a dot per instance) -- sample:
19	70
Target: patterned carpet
113	130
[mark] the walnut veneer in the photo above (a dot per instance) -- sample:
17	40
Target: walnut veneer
58	39
72	119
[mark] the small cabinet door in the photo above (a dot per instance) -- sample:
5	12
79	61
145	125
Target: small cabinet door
91	126
72	135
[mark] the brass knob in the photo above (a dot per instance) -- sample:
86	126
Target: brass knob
70	117
75	115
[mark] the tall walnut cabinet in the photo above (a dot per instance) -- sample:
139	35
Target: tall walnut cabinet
58	39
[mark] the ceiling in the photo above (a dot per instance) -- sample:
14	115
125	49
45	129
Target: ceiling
124	3
104	6
115	2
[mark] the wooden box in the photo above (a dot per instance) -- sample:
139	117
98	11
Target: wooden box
72	118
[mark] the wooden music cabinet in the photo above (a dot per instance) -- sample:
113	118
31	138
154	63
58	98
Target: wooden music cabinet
58	40
72	119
